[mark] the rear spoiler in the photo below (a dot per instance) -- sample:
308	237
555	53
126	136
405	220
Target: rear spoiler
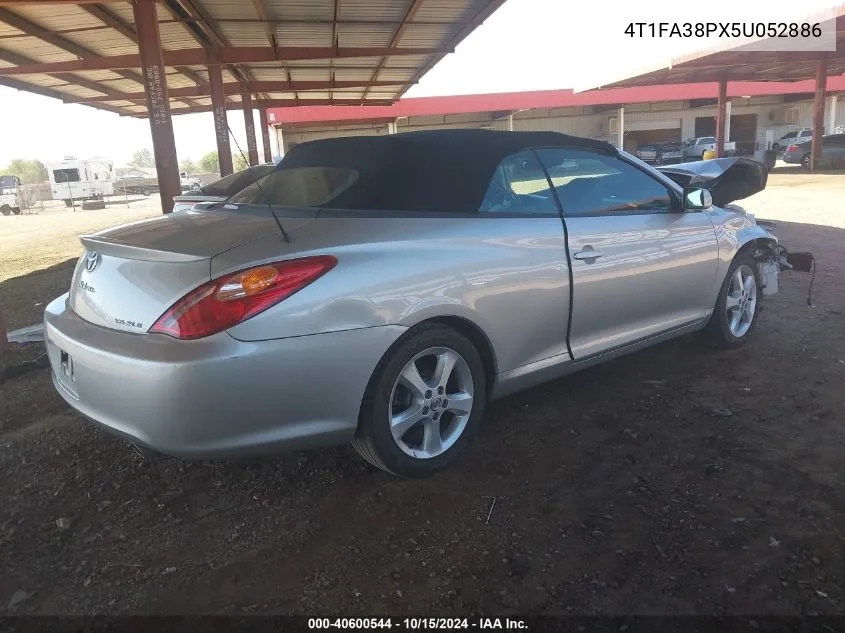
727	179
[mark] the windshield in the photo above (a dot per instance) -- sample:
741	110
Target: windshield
233	183
707	139
298	187
8	181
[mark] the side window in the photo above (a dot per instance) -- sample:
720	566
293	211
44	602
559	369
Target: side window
519	185
589	183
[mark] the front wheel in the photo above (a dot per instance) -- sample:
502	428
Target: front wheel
5	209
424	403
735	314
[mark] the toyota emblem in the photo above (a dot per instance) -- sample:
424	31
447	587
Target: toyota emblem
92	261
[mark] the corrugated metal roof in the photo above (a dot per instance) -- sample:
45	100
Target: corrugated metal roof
45	33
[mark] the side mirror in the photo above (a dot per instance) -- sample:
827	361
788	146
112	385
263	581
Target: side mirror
697	199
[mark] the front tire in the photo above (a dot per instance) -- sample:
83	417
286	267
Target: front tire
5	209
424	403
735	315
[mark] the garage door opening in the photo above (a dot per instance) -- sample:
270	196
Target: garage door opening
638	138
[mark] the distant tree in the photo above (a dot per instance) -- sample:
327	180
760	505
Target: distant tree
142	158
209	163
30	171
188	165
239	162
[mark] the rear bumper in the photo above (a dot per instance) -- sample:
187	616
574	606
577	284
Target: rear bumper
215	397
792	157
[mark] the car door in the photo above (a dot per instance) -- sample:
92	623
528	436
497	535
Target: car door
640	265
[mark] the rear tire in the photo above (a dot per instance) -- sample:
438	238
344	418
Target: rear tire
738	306
805	161
16	210
5	209
414	431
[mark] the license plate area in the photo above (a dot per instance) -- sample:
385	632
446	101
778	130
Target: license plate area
67	374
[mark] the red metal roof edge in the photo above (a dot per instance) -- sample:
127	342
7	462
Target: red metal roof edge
538	99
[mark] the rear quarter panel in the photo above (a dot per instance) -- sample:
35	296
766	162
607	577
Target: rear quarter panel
508	276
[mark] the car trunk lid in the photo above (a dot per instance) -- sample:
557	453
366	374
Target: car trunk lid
131	274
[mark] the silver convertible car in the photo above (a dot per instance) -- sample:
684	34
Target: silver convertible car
380	291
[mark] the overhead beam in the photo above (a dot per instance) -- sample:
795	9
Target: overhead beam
287	103
230	55
17	84
128	31
461	32
45	35
15	58
236	88
410	14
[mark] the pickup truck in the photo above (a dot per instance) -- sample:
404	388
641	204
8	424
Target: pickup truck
793	138
695	148
189	183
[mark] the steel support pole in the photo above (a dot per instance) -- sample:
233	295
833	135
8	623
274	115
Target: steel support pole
818	112
265	134
831	114
221	122
621	130
158	102
721	116
249	122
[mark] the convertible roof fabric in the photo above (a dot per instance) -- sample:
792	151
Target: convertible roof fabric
438	170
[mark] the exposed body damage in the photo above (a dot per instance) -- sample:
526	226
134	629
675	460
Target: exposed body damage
728	180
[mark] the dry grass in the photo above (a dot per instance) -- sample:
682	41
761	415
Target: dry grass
38	240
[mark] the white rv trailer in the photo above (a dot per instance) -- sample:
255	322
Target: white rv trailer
72	179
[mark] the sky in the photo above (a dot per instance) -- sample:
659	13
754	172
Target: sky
525	45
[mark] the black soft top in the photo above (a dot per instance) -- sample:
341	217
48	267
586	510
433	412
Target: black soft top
439	170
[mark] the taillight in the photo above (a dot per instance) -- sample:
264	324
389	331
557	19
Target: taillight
792	148
224	302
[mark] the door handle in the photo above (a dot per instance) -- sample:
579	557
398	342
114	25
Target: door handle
587	253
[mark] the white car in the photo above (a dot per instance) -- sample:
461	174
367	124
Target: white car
793	138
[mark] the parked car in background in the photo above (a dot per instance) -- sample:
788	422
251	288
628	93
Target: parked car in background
661	153
793	138
695	148
221	190
136	185
189	183
381	290
832	157
11	196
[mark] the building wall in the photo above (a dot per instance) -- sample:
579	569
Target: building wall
595	122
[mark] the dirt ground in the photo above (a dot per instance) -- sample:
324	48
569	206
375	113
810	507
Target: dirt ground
677	480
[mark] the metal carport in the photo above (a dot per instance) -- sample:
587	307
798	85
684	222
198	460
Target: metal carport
155	58
740	64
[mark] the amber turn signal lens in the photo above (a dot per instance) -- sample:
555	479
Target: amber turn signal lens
258	279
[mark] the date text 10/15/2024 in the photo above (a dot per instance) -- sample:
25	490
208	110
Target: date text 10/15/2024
414	624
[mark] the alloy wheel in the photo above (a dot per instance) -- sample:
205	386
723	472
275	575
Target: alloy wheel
741	302
431	402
